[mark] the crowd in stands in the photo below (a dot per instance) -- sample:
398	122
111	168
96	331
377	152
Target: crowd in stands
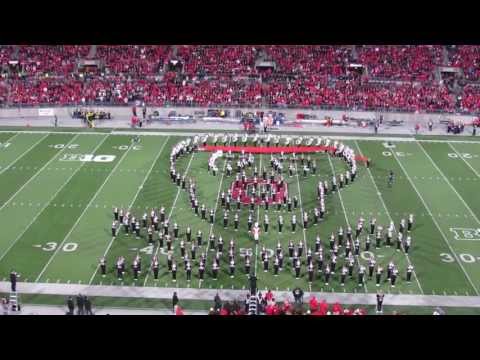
395	77
267	305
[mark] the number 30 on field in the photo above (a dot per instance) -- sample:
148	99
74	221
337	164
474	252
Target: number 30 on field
466	258
68	247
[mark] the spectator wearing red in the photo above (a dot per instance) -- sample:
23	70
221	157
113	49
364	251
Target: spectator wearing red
313	303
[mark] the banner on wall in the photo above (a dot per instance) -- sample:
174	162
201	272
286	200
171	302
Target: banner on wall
46	112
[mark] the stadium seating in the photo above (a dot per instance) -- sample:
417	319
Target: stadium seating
397	77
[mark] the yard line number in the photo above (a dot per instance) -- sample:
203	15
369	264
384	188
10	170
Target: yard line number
462	155
4	145
68	247
466	258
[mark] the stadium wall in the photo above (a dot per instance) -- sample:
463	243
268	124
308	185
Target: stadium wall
125	112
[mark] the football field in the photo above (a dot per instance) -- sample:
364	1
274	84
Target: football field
58	189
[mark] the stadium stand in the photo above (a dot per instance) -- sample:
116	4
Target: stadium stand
388	78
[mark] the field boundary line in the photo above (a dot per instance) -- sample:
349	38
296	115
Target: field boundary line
450	184
131	204
465	161
169	215
389	215
436	224
345	213
38	172
22	154
215	216
208	294
49	201
84	211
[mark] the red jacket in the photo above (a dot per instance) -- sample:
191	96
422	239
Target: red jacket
313	304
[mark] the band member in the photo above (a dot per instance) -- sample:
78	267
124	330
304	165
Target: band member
380	297
295	202
399	241
289	204
309	256
247	265
265	262
150	235
401	227
219	245
120	268
115	214
203	211
371	267
349	233
252	204
408	242
232	268
169	261
250	222
175	230
390	268
347	249
135	269
235	221
332	241
199	238
378	276
174	272
335	250
356	246
340	236
316	216
294	222
327	275
211	216
168	240
161	238
361	274
310	273
144	220
318	244
372	226
320	262
162	214
188	234
305	220
367	243
409	273
291	249
393	278
211	244
165	227
343	275
182	249
114	229
276	266
103	266
188	270
300	249
201	271
215	270
137	229
333	264
120	216
351	263
280	223
155	266
297	269
378	238
410	222
265	223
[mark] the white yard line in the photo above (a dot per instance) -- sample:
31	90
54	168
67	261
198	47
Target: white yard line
388	214
83	212
466	162
215	215
23	154
301	217
131	204
436	224
38	172
448	182
49	201
171	212
345	213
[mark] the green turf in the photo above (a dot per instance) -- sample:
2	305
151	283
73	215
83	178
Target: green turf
39	233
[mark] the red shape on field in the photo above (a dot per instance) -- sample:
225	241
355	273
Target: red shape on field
240	188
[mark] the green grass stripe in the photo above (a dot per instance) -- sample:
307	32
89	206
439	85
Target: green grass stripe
18	146
29	203
93	232
456	172
11	181
435	275
436	194
58	218
154	193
